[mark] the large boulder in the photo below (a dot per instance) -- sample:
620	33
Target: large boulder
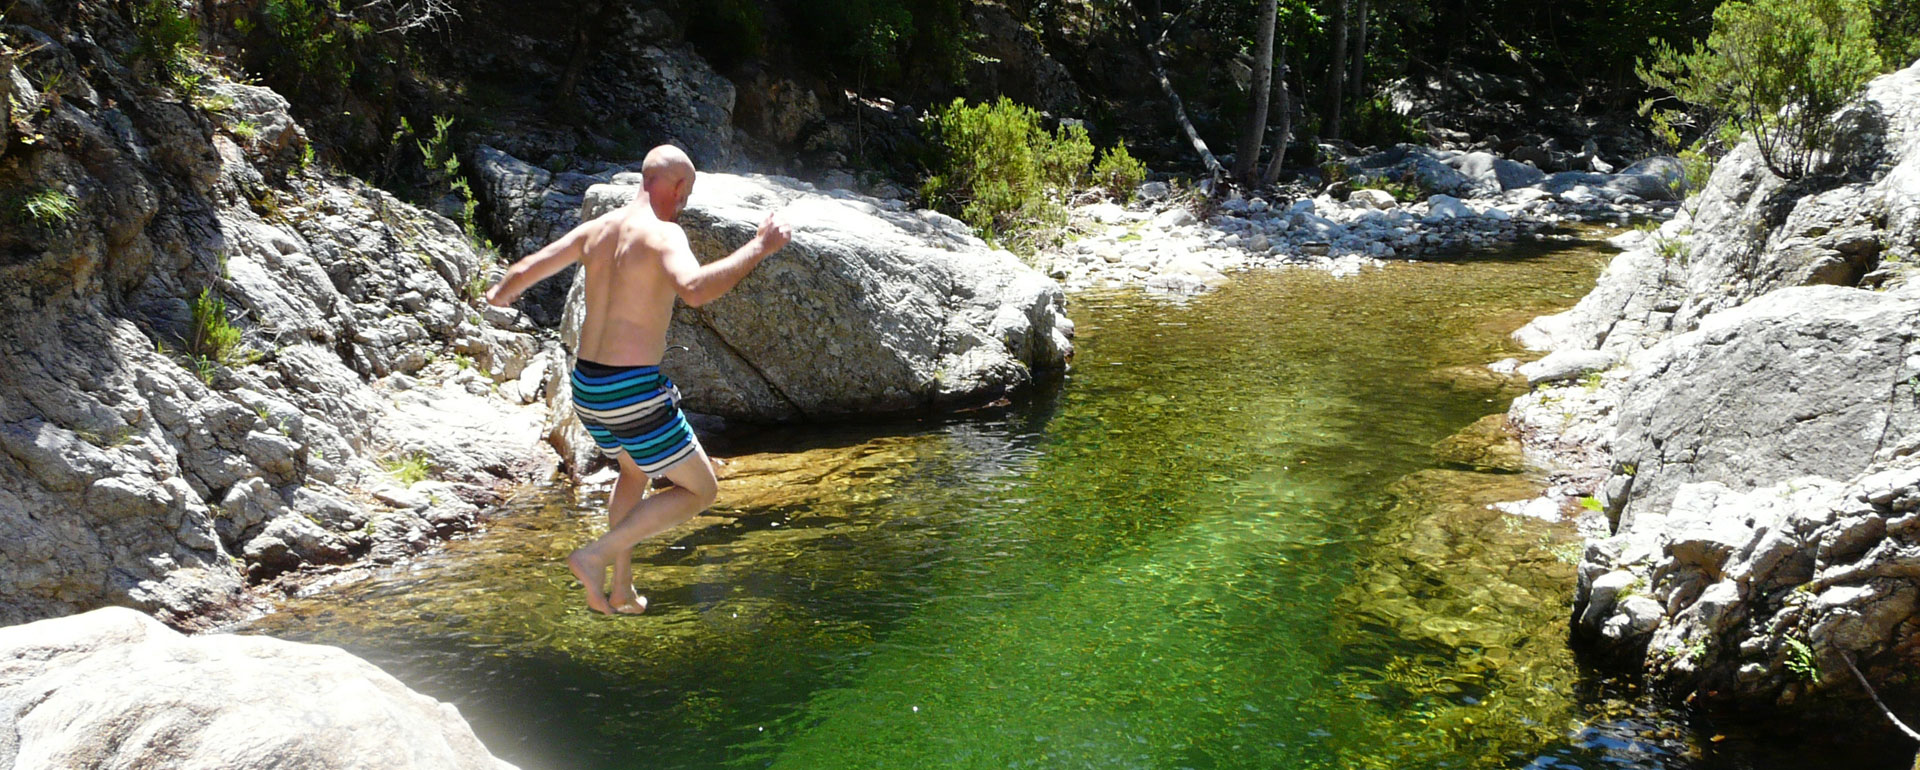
873	309
1493	174
1803	381
115	688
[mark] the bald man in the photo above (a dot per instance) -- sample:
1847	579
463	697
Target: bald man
636	261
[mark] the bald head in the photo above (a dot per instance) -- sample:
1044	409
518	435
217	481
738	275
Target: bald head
667	174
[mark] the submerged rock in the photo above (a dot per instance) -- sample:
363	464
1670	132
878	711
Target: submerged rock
115	688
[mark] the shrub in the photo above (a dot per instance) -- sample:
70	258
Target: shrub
1376	122
48	208
1776	70
1897	29
1119	173
304	43
211	338
999	170
410	469
168	39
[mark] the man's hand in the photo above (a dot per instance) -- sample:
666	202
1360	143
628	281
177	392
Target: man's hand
774	233
498	298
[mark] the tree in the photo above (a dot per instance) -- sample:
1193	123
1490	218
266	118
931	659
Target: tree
1337	71
1248	159
1284	135
1356	81
1778	70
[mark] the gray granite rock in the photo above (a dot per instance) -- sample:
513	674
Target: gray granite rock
115	688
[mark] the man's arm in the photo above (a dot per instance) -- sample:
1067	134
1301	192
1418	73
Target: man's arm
699	284
542	264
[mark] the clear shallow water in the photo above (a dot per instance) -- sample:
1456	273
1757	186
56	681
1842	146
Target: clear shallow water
1223	541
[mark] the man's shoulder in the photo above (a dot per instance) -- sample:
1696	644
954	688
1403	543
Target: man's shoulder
640	225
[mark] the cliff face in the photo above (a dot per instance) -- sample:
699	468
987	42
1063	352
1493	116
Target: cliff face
211	349
1757	434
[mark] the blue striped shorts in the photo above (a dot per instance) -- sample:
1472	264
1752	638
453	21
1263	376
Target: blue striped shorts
635	409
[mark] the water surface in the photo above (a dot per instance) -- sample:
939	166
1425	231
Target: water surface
1224	540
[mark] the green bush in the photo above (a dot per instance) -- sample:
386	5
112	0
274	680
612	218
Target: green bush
410	469
1119	173
169	40
300	44
1896	26
212	338
1775	70
1001	172
1376	122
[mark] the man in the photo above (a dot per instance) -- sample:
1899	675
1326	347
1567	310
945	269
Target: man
636	260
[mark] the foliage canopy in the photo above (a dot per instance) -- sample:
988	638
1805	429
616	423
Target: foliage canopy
1777	70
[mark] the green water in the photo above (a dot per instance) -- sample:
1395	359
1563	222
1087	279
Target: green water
1224	541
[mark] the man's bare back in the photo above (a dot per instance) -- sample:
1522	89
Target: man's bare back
636	261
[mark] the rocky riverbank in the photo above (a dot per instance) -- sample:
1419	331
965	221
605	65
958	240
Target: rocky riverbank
221	364
1404	203
1740	397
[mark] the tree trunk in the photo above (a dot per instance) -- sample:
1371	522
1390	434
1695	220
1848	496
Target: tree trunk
1284	136
1356	83
1214	169
1248	160
1337	71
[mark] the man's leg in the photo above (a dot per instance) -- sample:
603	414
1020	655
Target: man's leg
694	488
627	493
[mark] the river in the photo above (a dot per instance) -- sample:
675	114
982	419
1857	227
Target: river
1224	540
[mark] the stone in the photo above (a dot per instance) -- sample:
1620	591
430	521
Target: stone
1566	365
115	688
1418	164
1373	199
1757	457
1716	403
1441	207
1174	217
1488	445
1492	174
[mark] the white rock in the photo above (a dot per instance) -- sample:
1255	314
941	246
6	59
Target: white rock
115	688
1446	207
1174	217
1373	199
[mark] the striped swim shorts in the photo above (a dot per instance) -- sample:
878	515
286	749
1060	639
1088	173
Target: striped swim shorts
635	409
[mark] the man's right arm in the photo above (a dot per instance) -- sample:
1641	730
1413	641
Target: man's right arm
540	265
699	284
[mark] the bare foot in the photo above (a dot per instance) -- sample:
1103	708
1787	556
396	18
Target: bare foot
589	572
628	602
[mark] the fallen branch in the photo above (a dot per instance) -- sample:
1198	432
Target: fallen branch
1876	698
1214	169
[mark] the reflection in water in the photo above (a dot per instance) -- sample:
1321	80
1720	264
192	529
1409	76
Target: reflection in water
1222	542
